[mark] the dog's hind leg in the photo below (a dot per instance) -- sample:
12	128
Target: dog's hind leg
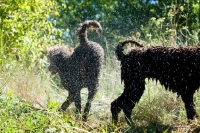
69	100
189	105
127	101
115	110
91	94
133	96
78	104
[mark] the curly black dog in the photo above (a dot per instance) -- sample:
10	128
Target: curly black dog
80	69
177	69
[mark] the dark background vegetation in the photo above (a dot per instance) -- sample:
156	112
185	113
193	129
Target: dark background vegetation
28	27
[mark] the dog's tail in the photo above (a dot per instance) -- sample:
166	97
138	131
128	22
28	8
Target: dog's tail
119	49
85	26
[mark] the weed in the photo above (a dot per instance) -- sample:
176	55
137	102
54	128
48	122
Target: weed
29	103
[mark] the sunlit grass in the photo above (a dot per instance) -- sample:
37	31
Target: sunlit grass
29	93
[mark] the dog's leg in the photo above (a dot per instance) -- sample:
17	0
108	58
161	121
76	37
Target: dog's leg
127	112
69	100
189	105
132	96
127	100
78	103
122	102
91	93
115	110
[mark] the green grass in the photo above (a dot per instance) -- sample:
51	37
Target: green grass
20	116
29	100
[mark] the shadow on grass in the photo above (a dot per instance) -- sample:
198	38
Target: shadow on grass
151	129
158	128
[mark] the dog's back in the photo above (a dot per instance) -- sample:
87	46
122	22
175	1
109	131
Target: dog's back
88	56
173	67
89	59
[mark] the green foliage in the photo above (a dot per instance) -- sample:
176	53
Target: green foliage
19	116
171	22
176	25
25	30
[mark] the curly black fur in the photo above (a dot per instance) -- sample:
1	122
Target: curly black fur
80	69
177	69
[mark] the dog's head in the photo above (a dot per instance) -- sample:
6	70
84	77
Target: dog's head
57	55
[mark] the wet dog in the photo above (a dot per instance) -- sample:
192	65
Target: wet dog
80	69
177	69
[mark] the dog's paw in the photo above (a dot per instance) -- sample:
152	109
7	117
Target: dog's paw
84	118
60	109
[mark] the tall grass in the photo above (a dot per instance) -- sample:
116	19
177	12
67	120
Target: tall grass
157	111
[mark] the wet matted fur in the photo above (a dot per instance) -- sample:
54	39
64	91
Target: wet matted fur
177	69
80	69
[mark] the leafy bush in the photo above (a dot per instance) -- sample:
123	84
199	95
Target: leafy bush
25	30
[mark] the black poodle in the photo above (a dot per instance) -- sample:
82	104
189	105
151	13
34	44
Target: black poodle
177	69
